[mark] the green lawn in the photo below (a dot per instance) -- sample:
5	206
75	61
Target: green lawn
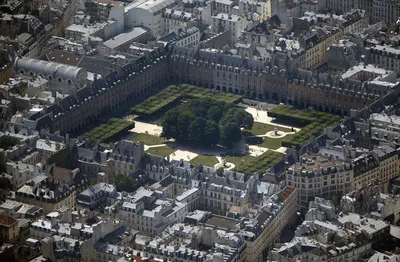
262	129
205	160
238	160
273	143
162	151
149	140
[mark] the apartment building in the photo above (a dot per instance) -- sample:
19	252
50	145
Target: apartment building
223	6
225	21
148	14
121	158
281	215
9	229
319	176
125	158
338	95
187	37
6	68
248	7
225	245
191	197
21	172
150	213
176	19
316	45
49	194
384	56
382	164
18	210
263	80
385	11
341	6
96	195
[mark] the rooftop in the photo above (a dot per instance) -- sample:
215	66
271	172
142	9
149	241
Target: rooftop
153	6
7	221
227	17
126	37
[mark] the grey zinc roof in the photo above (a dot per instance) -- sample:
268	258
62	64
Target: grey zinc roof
126	37
156	5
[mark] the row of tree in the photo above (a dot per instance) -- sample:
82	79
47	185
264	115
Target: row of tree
203	123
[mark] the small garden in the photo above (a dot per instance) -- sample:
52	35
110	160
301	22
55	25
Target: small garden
262	128
162	151
107	132
253	136
313	123
149	140
205	160
253	165
174	95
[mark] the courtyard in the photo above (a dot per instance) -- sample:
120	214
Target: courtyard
239	158
264	143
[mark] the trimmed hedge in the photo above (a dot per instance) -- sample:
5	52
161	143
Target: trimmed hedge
107	132
314	123
254	140
172	95
258	165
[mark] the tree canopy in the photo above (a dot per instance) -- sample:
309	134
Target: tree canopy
206	122
124	183
7	142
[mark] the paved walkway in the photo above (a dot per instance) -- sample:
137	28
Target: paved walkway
262	117
182	154
141	127
146	147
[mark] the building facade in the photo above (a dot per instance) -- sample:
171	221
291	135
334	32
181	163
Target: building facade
317	176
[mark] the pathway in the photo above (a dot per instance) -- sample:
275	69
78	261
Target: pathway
146	147
262	117
141	127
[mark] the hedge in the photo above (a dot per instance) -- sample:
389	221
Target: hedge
172	95
258	165
107	132
314	123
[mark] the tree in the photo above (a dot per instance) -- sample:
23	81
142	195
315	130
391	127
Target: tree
124	183
196	130
238	116
200	121
169	124
214	113
7	142
184	120
230	133
248	121
5	183
211	133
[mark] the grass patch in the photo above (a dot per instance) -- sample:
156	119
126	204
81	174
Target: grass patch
273	143
262	129
205	160
162	151
238	160
173	95
107	132
149	140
